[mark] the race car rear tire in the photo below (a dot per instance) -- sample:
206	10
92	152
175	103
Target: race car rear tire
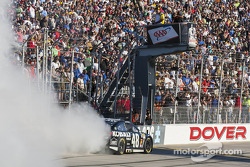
121	146
148	146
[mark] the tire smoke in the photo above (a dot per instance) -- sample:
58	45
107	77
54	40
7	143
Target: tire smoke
33	130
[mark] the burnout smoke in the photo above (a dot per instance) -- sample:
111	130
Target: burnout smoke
33	132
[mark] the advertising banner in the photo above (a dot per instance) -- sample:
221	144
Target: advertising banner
204	133
181	33
156	131
163	34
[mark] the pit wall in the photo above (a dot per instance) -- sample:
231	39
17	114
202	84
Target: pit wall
168	134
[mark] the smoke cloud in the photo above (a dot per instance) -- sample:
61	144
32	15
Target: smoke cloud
33	130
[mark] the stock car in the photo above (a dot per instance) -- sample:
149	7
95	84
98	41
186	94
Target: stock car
125	137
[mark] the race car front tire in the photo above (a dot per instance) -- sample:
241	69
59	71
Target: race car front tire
148	146
121	146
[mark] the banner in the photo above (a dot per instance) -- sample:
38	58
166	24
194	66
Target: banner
162	34
206	133
156	131
172	34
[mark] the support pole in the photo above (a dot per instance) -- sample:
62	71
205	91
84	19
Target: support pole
37	67
242	86
23	55
46	61
199	95
117	82
219	99
50	76
91	78
71	79
176	89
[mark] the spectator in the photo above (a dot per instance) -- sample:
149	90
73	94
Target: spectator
126	104
148	119
80	82
105	28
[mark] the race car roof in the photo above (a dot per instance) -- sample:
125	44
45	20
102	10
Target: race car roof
112	121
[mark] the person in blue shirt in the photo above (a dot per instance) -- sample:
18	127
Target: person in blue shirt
76	71
187	81
214	107
44	13
158	97
86	79
212	83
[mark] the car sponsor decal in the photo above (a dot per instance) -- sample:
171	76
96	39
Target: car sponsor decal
121	134
135	140
113	141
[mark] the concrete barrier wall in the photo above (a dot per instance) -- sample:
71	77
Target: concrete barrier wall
197	133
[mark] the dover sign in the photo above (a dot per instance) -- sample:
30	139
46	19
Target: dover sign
156	131
203	133
210	132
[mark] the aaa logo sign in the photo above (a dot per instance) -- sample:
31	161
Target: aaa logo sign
162	34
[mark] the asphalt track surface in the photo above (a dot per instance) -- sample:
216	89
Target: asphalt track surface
162	156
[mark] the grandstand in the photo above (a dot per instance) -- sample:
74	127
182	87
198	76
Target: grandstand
86	51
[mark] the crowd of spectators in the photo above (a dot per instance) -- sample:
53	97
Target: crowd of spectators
101	33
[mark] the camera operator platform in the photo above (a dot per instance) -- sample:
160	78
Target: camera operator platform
161	40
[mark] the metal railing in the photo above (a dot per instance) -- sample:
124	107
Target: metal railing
207	115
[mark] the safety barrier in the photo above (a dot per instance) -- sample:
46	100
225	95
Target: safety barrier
167	134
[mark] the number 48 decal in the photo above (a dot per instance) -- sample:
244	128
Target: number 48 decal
135	140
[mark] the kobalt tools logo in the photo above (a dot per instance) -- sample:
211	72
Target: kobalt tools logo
121	134
206	151
162	34
209	133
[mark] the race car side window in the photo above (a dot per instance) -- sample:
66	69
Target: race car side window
120	126
135	129
129	127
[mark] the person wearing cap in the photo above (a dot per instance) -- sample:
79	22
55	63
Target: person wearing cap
159	17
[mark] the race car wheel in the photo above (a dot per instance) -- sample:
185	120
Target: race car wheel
148	146
121	146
